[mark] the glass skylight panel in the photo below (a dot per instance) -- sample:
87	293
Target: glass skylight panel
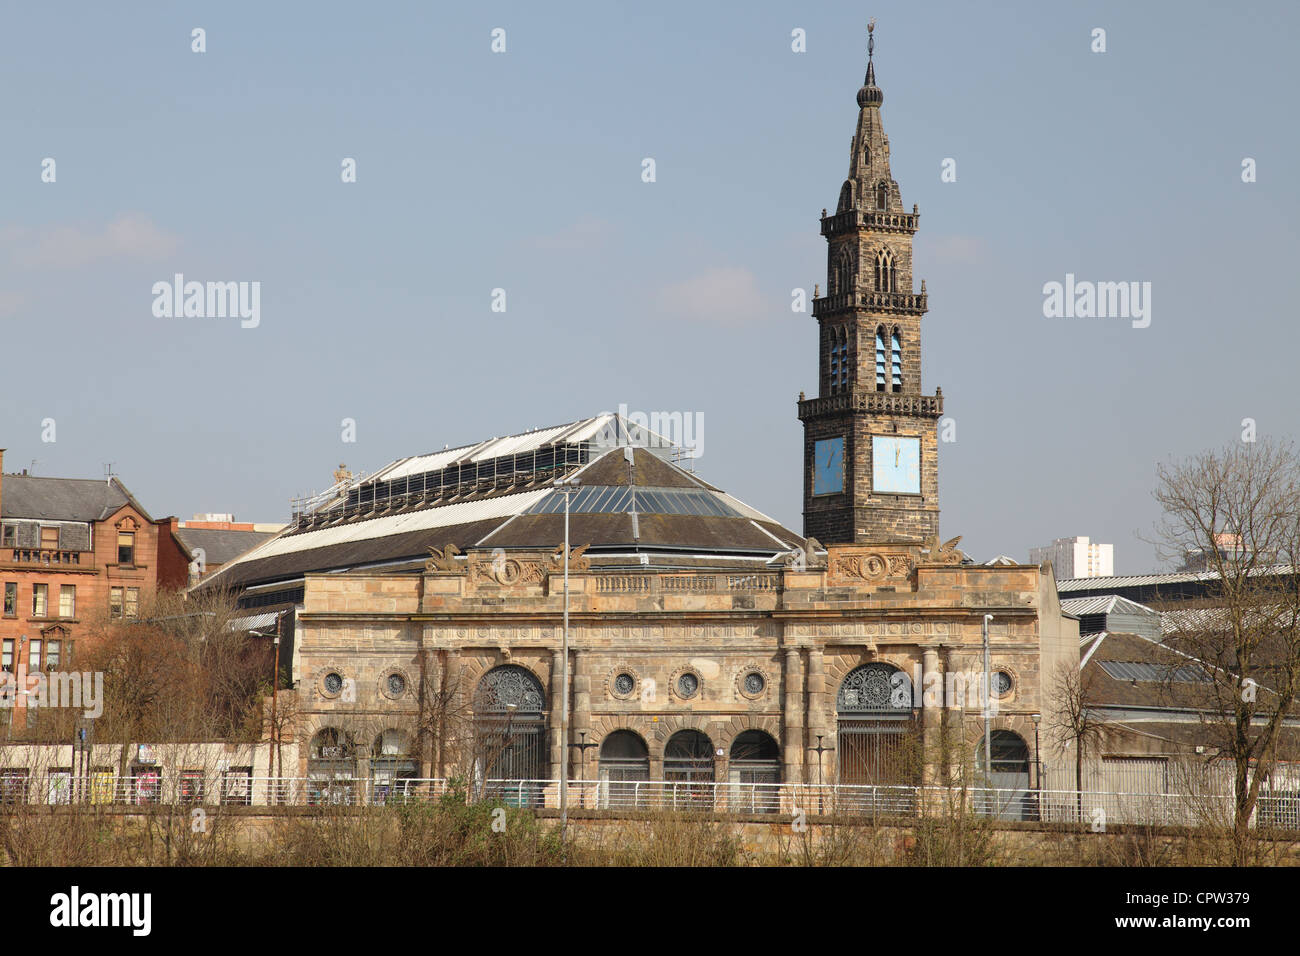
617	499
1141	671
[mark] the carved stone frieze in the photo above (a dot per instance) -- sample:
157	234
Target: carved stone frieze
875	566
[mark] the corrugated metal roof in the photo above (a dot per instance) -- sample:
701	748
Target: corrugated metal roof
1142	580
1219	618
254	622
1104	604
607	427
464	512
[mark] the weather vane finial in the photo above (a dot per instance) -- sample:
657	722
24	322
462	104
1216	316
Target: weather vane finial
871	37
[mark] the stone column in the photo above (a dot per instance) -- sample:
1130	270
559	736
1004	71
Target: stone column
581	709
817	704
363	784
792	730
557	705
932	703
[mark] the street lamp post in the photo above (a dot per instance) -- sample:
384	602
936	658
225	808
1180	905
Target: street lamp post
1038	760
581	747
819	750
275	686
988	700
567	486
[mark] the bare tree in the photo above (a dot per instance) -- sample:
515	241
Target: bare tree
1075	726
1238	512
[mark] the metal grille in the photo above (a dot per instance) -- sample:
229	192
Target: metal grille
874	688
878	753
508	688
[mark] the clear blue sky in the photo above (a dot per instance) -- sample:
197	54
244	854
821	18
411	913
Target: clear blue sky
522	171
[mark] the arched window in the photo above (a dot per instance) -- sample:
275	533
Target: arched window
877	741
391	762
846	196
754	768
880	359
896	360
624	762
866	156
509	735
688	765
882	194
331	767
1008	796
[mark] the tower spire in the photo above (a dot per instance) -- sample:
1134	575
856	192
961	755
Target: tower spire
870	443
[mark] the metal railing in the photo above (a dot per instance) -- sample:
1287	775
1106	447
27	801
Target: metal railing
1276	809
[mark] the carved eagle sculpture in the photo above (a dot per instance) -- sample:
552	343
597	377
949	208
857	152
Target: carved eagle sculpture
945	553
444	560
577	559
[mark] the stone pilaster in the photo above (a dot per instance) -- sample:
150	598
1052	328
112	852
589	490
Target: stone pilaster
931	691
792	732
817	704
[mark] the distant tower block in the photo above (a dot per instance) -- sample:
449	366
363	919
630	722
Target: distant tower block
1077	557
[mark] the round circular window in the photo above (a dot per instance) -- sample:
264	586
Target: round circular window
624	684
333	682
688	685
1002	683
396	685
754	683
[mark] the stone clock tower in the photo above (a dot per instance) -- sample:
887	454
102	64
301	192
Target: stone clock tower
870	449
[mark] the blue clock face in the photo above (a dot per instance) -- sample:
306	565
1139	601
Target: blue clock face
828	466
896	465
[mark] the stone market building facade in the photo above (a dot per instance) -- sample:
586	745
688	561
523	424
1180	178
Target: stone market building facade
708	643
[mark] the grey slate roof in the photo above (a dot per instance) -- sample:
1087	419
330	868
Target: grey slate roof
219	545
63	499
